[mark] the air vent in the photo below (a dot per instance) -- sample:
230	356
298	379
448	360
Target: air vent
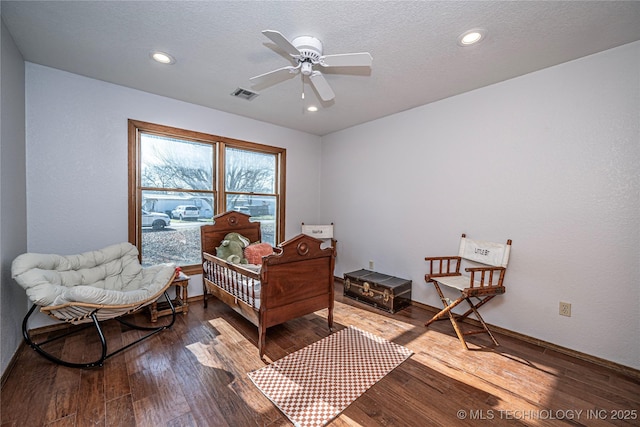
244	94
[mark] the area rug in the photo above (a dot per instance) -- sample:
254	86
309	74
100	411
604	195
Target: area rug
313	385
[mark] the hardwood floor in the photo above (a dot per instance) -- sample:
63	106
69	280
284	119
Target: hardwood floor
196	375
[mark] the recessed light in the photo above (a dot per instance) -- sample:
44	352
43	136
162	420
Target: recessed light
471	37
162	57
312	108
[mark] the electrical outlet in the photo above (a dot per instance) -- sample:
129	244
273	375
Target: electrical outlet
370	265
565	309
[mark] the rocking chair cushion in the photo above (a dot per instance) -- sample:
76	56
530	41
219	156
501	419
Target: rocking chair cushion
110	276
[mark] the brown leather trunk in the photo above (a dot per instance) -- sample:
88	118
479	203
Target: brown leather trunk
385	292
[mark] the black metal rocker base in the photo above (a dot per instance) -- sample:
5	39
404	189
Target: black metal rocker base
96	323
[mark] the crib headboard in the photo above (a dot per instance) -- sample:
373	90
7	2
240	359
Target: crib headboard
225	223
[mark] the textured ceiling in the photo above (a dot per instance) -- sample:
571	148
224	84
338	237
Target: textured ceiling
218	46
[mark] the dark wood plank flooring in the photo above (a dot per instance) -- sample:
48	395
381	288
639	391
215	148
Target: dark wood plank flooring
196	375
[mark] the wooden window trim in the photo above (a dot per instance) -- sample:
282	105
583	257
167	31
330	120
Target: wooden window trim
219	143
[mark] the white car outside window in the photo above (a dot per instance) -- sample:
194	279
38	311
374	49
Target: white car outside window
183	212
155	219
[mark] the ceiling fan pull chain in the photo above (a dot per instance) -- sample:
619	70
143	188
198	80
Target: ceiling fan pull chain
302	83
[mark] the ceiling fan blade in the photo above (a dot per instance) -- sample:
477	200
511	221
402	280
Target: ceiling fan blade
362	59
275	76
281	41
321	86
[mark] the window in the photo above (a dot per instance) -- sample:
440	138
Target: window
179	180
250	187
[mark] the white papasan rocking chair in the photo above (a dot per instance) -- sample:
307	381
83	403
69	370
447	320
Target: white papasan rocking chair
90	288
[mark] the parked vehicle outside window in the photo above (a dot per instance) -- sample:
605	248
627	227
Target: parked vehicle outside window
183	212
155	219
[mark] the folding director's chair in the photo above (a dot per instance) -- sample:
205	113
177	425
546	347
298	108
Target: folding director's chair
484	282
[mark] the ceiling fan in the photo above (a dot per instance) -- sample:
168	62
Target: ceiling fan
306	53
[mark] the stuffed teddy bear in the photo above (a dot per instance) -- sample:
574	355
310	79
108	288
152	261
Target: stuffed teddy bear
232	248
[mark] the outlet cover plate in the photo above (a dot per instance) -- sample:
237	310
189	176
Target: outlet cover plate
565	309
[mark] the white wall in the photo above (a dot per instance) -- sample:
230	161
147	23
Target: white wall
549	159
13	198
77	159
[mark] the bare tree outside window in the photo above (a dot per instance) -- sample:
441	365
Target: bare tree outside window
173	163
248	171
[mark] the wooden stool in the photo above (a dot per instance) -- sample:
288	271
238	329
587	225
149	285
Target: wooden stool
180	303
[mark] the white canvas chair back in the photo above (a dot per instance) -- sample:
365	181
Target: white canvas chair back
318	231
322	232
489	253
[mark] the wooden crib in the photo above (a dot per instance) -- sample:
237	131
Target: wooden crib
296	280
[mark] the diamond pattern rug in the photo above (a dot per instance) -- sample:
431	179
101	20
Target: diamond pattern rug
313	385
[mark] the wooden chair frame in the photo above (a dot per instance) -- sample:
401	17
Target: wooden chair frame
481	284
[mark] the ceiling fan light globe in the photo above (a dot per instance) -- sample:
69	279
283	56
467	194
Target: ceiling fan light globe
306	68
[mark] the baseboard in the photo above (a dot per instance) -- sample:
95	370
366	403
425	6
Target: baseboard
11	364
623	369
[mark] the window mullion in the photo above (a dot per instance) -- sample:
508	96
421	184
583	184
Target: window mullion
220	177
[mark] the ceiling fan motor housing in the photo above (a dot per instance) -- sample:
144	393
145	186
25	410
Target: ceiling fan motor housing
310	48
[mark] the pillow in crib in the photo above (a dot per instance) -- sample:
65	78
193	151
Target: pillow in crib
255	251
